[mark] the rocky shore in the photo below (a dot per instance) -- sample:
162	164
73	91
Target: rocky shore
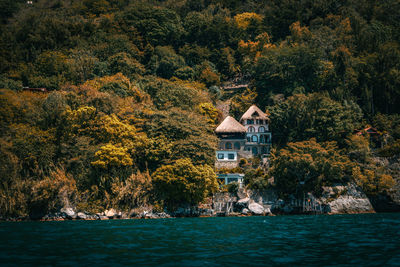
338	199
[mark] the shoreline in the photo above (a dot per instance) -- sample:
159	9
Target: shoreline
175	217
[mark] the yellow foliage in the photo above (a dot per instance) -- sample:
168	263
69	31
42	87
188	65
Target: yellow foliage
112	156
374	181
133	192
208	110
253	49
243	20
299	33
386	182
97	83
55	190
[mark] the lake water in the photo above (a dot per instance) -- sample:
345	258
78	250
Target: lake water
346	240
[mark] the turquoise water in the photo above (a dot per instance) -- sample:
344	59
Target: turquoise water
347	240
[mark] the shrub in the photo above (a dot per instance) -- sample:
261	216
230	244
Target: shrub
184	183
233	187
52	193
308	165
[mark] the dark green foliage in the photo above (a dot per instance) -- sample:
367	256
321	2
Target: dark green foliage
283	70
159	26
256	179
308	165
165	62
301	117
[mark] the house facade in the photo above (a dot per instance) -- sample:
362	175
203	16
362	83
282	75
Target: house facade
246	138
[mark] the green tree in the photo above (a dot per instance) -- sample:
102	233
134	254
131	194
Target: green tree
165	62
184	183
301	117
307	166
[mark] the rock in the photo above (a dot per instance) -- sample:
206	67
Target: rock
245	211
349	204
256	209
163	215
133	214
125	215
267	210
92	217
242	193
102	217
182	212
110	213
69	213
206	212
350	199
241	204
82	216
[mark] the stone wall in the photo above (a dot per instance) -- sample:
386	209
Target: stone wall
226	164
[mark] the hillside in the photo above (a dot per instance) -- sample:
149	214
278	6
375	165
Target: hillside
133	91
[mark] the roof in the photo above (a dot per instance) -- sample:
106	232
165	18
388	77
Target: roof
254	113
369	130
230	125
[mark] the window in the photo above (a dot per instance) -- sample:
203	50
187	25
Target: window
261	129
254	150
254	138
221	156
248	138
228	145
250	121
262	139
231	156
261	121
237	145
251	129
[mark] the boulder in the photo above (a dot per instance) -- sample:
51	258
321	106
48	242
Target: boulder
256	209
92	217
245	211
349	199
267	210
350	204
82	216
206	212
125	215
163	215
241	204
110	213
133	214
69	213
242	193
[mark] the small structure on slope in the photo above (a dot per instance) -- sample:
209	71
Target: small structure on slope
248	138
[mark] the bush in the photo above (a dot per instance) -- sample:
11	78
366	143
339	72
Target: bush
52	193
256	179
184	183
135	191
233	187
243	162
308	165
390	150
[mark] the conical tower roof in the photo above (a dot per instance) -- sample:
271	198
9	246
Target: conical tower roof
254	113
230	125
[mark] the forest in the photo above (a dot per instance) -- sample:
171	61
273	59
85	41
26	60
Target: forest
132	89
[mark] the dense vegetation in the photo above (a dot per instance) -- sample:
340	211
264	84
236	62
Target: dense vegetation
133	86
